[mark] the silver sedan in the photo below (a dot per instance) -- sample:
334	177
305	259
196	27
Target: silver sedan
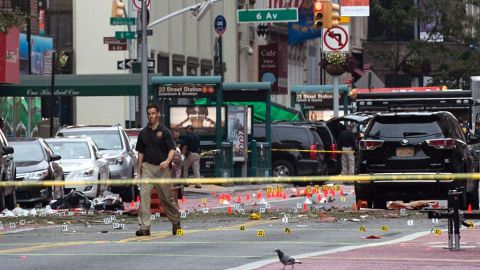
81	160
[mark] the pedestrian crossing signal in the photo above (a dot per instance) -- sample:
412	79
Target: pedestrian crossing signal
118	9
335	15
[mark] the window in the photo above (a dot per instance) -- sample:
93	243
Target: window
402	127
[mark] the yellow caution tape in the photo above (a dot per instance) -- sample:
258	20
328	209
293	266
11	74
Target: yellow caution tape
211	152
263	180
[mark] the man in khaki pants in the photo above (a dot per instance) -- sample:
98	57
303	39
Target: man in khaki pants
192	141
156	149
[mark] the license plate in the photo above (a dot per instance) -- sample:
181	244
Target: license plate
405	152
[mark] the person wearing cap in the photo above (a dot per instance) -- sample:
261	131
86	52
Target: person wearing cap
192	141
156	149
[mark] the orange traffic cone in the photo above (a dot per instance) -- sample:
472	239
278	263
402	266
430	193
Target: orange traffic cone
229	210
259	195
183	199
469	210
239	199
284	195
247	197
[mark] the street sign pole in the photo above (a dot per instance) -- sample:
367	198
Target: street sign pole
144	100
335	96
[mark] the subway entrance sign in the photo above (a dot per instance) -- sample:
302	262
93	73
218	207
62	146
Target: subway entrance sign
267	15
186	91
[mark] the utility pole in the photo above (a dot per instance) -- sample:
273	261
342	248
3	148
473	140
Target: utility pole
144	56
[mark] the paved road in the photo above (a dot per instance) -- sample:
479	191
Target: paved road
210	241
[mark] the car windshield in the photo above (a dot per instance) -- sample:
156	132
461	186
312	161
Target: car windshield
71	150
27	151
404	127
104	139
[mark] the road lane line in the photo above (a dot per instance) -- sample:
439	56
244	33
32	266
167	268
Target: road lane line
53	245
155	236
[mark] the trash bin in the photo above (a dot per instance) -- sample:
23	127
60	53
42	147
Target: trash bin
260	159
224	160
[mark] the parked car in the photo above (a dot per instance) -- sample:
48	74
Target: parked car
289	162
8	198
113	143
414	143
332	160
81	160
35	161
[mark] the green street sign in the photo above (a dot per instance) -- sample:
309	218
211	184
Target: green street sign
122	21
268	15
124	35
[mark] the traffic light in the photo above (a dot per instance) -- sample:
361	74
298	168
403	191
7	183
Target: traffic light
322	13
118	9
335	15
318	17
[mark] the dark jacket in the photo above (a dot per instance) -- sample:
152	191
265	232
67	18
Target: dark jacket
347	139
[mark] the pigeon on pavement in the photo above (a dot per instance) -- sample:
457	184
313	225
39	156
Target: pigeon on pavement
285	259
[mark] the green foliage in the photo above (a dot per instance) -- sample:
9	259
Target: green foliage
9	19
450	61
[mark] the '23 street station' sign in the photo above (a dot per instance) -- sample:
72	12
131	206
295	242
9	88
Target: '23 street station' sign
186	91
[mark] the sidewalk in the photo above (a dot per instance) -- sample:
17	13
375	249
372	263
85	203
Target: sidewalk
422	252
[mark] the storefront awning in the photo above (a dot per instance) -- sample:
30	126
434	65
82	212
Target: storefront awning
75	85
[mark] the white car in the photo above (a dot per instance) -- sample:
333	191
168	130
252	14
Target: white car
81	160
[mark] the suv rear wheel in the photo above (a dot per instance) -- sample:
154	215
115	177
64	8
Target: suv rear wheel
282	168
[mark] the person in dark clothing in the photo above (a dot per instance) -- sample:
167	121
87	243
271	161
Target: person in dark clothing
2	124
348	144
192	141
156	149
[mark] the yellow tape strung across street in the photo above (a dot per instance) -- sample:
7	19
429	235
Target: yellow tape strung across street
246	180
211	152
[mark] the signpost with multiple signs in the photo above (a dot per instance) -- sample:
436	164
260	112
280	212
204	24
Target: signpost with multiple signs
267	15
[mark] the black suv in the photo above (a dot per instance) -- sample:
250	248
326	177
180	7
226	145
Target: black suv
289	162
332	160
7	173
417	143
